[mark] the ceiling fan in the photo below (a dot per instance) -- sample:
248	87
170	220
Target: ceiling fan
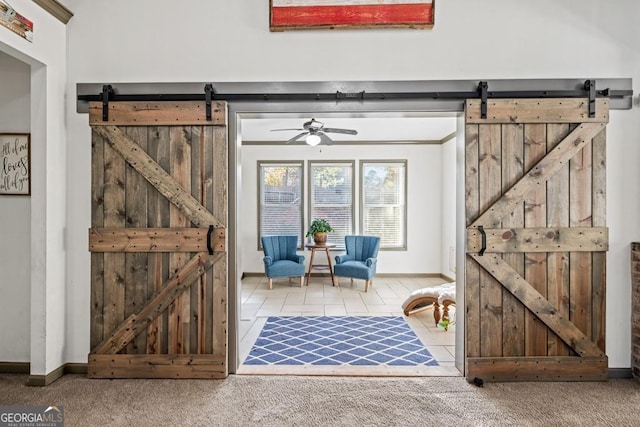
316	133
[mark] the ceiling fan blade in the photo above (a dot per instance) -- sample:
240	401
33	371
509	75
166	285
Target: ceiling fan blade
337	130
275	130
295	138
325	138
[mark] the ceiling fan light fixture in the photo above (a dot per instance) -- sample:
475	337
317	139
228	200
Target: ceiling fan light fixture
315	133
313	139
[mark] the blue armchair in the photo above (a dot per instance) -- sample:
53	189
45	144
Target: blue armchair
280	258
360	260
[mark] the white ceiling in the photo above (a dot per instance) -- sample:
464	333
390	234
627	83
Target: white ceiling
374	127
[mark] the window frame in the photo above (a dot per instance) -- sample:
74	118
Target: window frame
361	196
286	163
351	163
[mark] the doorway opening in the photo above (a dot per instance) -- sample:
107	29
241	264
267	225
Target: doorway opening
426	144
15	229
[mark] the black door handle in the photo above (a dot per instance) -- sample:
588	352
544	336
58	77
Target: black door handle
484	240
209	246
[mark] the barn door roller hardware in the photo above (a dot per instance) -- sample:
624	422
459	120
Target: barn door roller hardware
105	95
590	87
482	92
208	94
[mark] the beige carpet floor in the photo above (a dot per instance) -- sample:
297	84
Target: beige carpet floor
329	401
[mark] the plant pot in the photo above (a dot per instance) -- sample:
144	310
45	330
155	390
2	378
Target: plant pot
320	238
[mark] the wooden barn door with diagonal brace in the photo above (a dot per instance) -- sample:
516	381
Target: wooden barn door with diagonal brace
158	243
536	240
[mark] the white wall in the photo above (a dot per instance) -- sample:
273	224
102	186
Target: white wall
448	248
46	56
424	190
15	225
144	41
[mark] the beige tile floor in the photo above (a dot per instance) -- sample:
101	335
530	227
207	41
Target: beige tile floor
320	298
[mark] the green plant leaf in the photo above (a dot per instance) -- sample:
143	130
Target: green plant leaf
319	225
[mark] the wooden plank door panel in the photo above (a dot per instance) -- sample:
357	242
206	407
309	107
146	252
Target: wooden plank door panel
158	217
216	325
472	269
180	170
114	216
536	239
535	215
512	171
489	169
599	219
158	243
97	259
558	262
136	269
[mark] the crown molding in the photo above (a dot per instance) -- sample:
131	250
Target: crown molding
448	137
56	9
382	142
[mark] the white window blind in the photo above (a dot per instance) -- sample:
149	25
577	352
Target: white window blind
280	205
331	197
384	202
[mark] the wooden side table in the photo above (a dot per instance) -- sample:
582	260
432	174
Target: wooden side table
313	266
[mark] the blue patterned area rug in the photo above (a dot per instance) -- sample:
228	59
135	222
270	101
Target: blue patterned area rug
339	340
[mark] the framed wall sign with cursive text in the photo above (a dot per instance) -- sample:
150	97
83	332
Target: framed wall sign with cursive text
15	164
333	14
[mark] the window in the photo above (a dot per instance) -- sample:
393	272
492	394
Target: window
280	205
383	202
331	197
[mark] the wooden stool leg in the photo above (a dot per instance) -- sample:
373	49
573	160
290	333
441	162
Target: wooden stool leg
436	312
445	315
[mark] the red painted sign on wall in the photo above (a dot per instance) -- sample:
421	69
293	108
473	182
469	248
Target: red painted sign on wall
316	14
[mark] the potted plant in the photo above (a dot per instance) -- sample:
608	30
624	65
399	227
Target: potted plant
319	229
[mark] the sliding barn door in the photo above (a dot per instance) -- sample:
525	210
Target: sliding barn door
159	261
536	240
